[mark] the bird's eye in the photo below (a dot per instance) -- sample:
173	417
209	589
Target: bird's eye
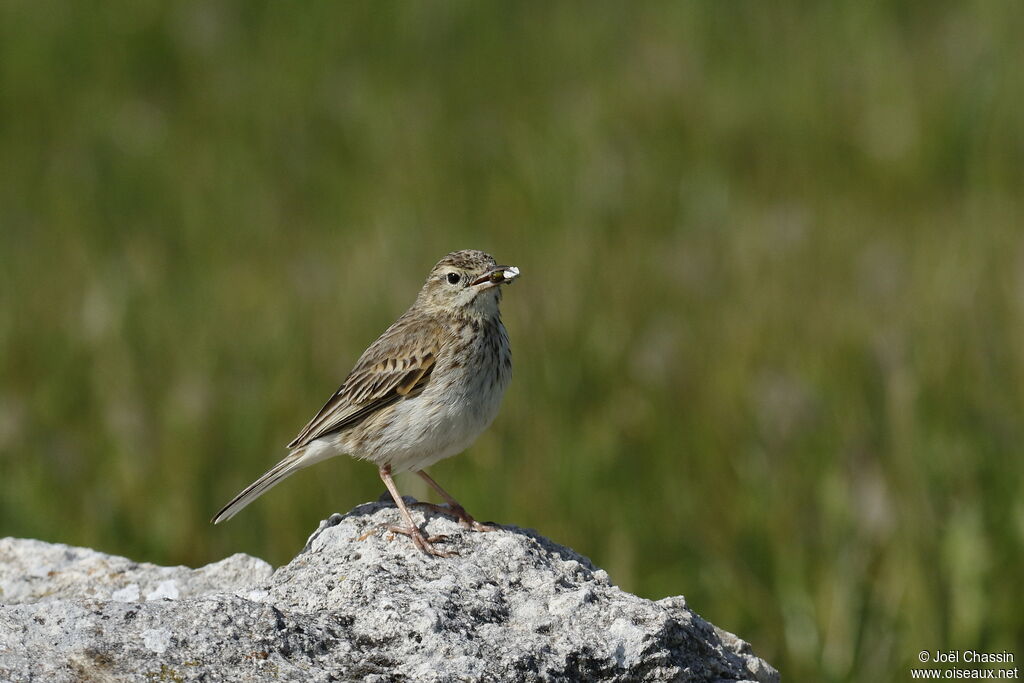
453	278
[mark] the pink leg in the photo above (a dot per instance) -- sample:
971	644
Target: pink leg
411	530
465	519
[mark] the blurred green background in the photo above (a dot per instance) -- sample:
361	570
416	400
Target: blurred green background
769	338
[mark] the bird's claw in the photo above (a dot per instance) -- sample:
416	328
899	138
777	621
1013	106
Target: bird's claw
370	532
424	543
465	519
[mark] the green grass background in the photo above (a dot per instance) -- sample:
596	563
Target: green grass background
769	337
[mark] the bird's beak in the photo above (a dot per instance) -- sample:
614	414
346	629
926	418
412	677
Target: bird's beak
498	275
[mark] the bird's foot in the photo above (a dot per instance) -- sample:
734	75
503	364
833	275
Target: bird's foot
458	512
424	543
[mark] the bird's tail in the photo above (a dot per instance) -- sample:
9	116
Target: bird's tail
292	463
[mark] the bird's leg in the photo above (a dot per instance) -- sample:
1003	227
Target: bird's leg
454	508
411	530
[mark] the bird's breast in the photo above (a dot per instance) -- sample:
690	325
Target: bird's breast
458	403
473	372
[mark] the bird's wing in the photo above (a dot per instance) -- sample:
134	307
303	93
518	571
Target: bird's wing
396	366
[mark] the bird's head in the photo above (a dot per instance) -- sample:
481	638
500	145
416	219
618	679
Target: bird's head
467	283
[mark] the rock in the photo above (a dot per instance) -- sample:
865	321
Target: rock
355	604
33	571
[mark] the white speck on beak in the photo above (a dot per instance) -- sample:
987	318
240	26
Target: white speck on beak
511	273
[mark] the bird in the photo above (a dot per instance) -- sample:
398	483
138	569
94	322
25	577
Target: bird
423	391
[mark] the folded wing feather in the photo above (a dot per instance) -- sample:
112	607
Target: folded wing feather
385	374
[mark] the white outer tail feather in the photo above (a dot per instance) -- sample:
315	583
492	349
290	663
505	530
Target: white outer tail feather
292	463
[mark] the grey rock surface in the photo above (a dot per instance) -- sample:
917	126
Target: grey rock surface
355	604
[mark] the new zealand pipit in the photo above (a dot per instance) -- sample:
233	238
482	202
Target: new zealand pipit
423	391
